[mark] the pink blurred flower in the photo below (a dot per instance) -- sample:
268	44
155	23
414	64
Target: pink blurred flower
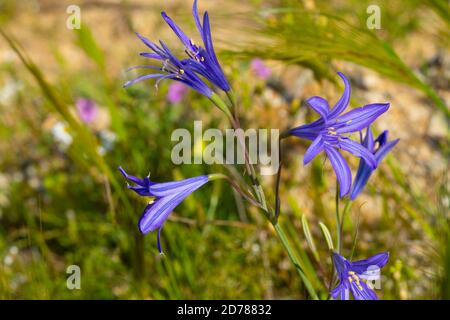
176	92
260	69
87	110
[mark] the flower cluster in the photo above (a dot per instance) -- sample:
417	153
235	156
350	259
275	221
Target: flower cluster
200	62
331	133
328	134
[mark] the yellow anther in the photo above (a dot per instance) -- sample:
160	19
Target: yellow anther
181	71
355	277
350	279
203	59
349	121
351	273
360	288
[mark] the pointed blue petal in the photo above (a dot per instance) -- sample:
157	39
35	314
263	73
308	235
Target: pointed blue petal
180	34
131	178
378	260
343	101
167	188
383	137
362	292
341	264
308	131
320	105
157	212
340	166
147	76
341	291
314	149
368	140
197	18
361	178
360	118
358	150
384	149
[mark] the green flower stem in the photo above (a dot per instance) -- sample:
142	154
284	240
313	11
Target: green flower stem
282	235
221	105
338	221
259	192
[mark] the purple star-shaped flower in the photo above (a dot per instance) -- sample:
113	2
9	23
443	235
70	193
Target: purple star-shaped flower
379	148
172	68
327	133
201	60
167	195
353	276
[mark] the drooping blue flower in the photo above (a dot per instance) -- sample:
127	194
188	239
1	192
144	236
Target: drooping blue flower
379	148
166	196
327	133
202	60
353	276
172	68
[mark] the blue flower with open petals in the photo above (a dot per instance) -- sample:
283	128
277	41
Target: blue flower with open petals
167	195
172	68
379	148
353	276
201	60
327	133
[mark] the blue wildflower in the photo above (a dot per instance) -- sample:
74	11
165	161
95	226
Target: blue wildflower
327	133
167	195
379	148
201	60
353	276
172	68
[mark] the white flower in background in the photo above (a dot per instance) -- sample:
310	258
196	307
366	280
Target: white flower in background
9	90
61	135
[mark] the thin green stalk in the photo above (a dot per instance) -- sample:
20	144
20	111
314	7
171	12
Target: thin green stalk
261	199
281	234
338	221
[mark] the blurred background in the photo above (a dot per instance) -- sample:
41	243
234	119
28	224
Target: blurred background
66	124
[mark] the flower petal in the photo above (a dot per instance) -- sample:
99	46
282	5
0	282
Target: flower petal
361	178
341	291
211	54
157	212
343	101
378	260
341	264
368	140
180	34
320	105
142	186
362	291
382	138
197	18
384	150
308	131
167	188
341	169
313	150
360	118
358	150
147	76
